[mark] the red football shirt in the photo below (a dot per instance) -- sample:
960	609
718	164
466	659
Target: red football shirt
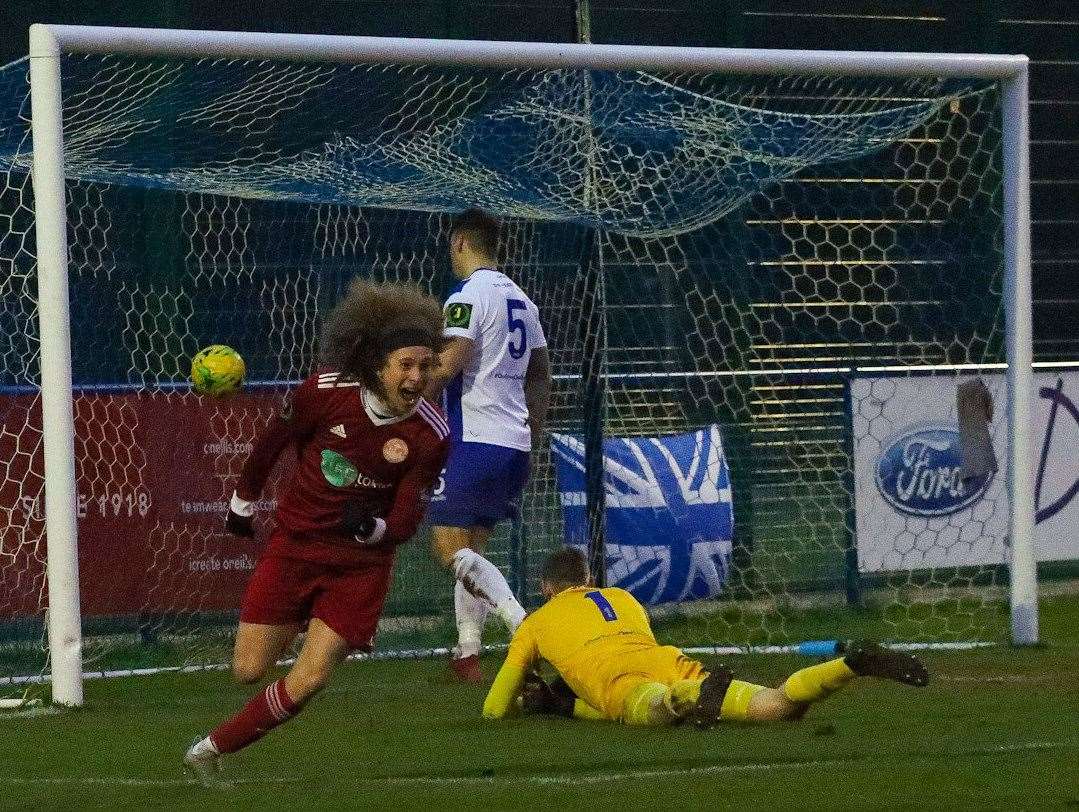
346	451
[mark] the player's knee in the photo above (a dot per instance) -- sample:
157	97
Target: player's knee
444	555
447	542
247	671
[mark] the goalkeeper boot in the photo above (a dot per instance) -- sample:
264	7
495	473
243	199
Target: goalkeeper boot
203	761
868	659
710	703
467	669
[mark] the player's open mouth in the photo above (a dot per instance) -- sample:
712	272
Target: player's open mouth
408	396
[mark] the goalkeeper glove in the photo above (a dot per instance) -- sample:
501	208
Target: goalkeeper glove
358	523
537	696
240	520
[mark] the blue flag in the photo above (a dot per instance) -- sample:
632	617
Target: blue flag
669	517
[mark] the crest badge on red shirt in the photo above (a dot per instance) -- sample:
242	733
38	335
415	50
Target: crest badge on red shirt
395	450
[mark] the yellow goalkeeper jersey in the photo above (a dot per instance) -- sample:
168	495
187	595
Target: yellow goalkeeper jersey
588	635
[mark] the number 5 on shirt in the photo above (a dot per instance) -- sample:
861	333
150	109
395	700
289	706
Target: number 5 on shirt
515	324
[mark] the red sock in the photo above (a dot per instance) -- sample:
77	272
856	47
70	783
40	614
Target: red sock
262	713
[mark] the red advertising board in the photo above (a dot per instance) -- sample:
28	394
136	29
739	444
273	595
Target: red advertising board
154	475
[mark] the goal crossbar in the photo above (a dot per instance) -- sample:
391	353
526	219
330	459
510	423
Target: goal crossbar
52	40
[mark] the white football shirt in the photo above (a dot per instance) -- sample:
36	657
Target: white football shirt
486	403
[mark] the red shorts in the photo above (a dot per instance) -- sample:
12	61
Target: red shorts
348	599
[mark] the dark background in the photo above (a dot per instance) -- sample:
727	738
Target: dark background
1048	32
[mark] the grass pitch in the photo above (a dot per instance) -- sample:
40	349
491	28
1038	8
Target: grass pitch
996	729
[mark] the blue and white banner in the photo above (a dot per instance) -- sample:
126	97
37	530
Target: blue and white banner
913	512
669	517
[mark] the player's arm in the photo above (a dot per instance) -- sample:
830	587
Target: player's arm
463	312
538	393
502	697
504	691
451	361
294	422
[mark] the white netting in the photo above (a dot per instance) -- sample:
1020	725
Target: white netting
721	250
624	151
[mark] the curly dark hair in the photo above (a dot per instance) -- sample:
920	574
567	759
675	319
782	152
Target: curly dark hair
355	334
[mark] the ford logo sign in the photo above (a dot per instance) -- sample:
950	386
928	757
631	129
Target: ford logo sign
918	473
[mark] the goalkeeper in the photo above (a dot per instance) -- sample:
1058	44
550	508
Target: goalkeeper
600	642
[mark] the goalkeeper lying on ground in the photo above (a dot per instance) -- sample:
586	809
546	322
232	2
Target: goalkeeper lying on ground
601	644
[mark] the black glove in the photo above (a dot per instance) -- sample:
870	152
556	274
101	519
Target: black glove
357	521
537	696
240	525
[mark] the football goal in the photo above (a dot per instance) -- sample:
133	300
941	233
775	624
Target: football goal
763	275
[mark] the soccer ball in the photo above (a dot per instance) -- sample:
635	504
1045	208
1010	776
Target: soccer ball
217	371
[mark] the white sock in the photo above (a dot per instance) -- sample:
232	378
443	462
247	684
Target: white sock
484	581
511	613
471	615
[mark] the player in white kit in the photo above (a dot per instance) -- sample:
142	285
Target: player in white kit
496	378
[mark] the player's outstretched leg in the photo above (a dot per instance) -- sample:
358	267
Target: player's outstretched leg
483	580
262	713
868	659
481	588
277	703
862	658
471	613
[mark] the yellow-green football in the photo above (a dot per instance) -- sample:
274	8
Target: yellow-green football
217	371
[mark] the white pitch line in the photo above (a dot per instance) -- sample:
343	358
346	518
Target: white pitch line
402	654
569	779
30	712
604	778
1005	678
576	779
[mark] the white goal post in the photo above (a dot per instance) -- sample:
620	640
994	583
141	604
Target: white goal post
49	42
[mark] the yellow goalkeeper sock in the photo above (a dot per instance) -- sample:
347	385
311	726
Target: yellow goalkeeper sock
736	701
646	705
817	681
582	710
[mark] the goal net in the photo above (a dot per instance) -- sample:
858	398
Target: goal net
780	267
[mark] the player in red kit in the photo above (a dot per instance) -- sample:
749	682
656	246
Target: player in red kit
369	448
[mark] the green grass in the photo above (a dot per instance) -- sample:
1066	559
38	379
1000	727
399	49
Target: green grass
996	729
